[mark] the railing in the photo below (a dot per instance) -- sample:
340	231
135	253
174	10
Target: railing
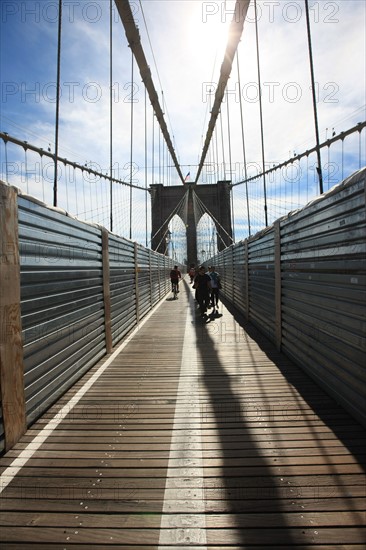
69	292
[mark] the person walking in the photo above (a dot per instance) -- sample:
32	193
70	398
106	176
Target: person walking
202	284
215	287
192	273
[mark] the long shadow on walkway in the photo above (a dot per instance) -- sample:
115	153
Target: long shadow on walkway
240	484
305	390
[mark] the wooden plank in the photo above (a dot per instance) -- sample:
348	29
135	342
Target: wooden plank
138	521
280	536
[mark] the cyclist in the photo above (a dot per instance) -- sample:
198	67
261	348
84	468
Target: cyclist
175	276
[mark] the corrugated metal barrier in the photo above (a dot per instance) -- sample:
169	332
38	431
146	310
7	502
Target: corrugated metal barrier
302	282
82	289
61	302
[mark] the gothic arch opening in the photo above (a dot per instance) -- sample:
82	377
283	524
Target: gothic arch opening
206	238
177	240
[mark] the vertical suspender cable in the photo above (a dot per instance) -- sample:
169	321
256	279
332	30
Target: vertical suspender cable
223	149
359	149
131	142
159	157
261	115
163	141
152	152
342	158
146	242
26	169
319	167
209	150
110	117
6	165
243	142
228	134
43	181
217	155
57	100
230	164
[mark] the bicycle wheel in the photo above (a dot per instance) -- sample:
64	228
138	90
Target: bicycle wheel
175	291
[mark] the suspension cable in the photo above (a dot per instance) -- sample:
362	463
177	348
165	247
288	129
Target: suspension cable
222	147
134	40
111	114
235	32
6	163
175	210
198	206
164	105
261	114
153	149
315	112
243	141
57	100
206	210
83	168
181	207
342	135
131	143
230	161
145	140
228	134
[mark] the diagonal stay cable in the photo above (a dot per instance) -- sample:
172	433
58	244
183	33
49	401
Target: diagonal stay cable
182	207
203	208
175	210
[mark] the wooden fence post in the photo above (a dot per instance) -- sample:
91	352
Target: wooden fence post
151	282
246	267
11	345
278	284
137	269
106	290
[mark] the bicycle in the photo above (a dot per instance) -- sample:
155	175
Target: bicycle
175	290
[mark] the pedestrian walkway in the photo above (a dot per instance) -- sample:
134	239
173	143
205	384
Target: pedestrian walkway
192	434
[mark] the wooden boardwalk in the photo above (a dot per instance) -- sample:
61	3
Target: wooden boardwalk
195	435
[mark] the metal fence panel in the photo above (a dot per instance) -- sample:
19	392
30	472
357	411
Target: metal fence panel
239	283
313	292
144	280
122	286
61	302
262	283
157	291
323	254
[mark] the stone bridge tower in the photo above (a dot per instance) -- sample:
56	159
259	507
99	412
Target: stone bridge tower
216	199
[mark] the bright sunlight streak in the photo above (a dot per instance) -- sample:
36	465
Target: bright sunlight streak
208	28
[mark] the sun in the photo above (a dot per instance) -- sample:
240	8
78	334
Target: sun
209	27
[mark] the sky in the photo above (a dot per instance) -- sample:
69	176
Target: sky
184	42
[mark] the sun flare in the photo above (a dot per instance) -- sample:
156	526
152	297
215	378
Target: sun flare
208	31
